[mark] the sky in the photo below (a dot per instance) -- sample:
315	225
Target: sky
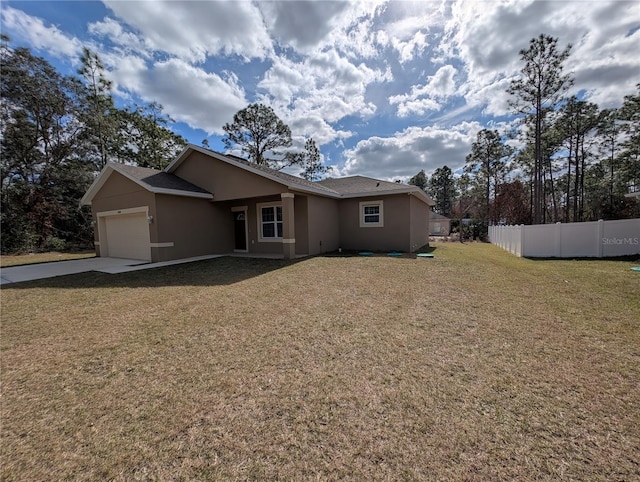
385	88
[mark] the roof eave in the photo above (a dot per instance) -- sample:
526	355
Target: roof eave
419	193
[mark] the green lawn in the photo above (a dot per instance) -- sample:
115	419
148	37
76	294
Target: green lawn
474	365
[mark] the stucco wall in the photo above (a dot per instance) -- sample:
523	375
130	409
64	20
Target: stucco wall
419	223
224	181
300	204
393	236
118	192
195	227
324	228
254	244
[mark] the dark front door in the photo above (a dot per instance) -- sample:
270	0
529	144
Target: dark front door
240	229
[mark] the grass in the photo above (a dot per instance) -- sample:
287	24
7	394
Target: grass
34	258
474	365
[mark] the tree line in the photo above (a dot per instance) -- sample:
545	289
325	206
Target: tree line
576	162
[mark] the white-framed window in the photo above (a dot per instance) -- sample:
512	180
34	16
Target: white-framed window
371	214
269	221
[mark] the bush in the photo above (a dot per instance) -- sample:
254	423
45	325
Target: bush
53	243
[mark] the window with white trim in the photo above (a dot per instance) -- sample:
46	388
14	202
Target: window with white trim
371	214
270	221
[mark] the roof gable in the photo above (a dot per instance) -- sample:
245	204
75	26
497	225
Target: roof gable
157	182
291	182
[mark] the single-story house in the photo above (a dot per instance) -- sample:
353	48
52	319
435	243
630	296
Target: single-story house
439	225
205	202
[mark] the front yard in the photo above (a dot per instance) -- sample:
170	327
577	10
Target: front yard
473	365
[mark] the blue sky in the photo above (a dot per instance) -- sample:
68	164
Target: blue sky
385	88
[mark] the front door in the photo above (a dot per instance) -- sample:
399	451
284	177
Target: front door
240	230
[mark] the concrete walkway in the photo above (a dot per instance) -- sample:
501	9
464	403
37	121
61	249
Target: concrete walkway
17	274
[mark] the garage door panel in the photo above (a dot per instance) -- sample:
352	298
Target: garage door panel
128	236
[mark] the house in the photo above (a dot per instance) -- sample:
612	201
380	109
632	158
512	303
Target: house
205	202
439	225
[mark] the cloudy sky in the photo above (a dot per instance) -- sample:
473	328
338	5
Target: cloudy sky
385	88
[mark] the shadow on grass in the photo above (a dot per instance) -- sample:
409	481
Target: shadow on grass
218	271
349	253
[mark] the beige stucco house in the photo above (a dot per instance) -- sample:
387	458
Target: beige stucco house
205	202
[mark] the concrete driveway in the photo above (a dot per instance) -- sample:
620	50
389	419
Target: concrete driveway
17	274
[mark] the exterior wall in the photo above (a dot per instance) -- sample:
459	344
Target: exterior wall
419	227
187	227
254	244
121	193
224	181
324	226
439	226
394	235
300	204
594	239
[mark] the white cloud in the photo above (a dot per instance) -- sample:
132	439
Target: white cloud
188	94
487	36
428	97
324	86
195	30
112	30
39	35
411	150
301	24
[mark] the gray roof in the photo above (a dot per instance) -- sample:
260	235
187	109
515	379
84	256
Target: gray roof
438	217
159	179
362	185
288	178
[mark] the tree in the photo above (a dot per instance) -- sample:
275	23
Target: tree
98	112
511	204
534	93
146	139
420	180
309	160
629	156
487	163
578	119
442	188
257	130
42	178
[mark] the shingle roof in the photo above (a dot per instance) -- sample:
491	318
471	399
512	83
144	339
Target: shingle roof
159	179
435	216
354	186
362	184
282	175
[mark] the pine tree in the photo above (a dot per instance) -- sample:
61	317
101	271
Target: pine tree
534	93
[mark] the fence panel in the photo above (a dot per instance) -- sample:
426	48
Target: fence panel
574	240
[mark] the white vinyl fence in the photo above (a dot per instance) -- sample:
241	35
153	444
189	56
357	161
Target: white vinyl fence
595	239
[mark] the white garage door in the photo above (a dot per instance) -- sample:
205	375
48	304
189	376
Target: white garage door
128	236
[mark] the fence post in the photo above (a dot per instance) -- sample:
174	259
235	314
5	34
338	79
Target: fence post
558	249
600	235
522	238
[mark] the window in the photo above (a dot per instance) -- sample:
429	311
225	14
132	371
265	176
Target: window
270	222
371	214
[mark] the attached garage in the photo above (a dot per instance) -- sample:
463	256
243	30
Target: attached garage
125	234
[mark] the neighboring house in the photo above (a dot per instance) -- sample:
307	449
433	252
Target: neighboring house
205	202
439	225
